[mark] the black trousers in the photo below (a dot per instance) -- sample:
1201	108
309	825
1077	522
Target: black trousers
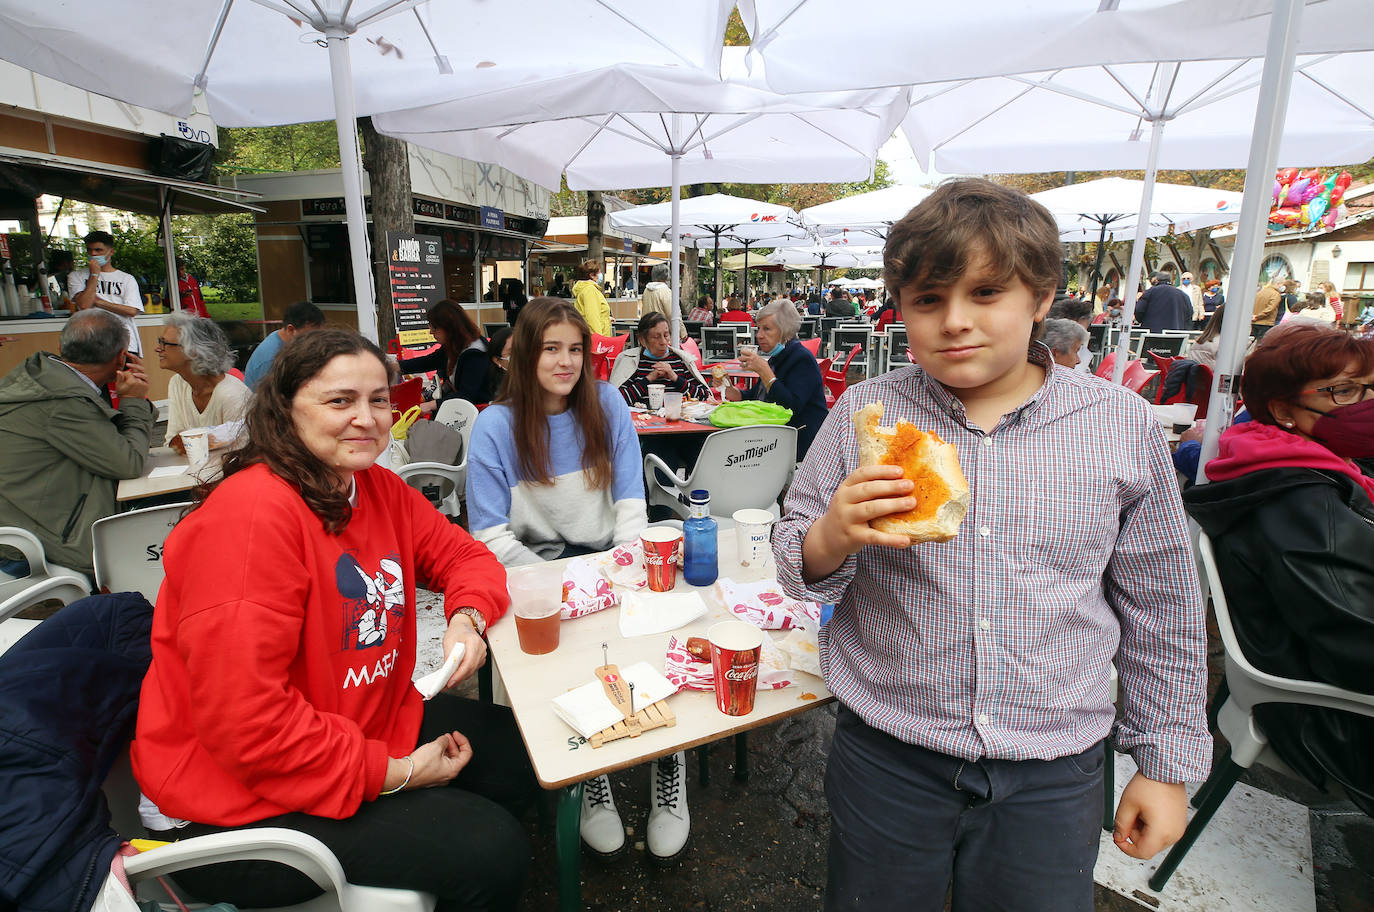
1011	835
461	842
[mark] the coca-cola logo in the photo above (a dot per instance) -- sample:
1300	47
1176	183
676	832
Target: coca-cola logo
743	673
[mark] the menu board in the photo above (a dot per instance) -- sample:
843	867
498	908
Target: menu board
415	266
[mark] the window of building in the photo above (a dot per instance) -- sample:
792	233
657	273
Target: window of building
1275	267
1210	270
1359	277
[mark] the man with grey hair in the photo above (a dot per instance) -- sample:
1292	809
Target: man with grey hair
658	297
1065	339
66	448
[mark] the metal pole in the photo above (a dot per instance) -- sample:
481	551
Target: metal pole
716	261
173	290
1142	227
345	122
1275	83
677	244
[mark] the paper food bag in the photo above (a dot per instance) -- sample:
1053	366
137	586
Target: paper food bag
766	606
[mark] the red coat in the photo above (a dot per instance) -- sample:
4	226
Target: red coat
188	289
736	316
283	655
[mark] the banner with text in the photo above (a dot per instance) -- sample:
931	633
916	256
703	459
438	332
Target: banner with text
415	265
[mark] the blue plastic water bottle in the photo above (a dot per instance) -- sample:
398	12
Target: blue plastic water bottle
699	542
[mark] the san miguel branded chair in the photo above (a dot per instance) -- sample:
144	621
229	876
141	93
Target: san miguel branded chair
741	467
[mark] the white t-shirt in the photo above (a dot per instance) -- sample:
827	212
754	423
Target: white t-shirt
116	288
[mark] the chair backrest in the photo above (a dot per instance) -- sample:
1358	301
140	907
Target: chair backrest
1104	370
406	394
1202	390
689	345
898	348
813	346
1248	685
810	328
441	484
491	329
605	349
693	328
1097	337
1160	344
458	414
719	343
127	548
744	467
843	337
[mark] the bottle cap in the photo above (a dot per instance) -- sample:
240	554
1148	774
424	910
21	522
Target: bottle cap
700	495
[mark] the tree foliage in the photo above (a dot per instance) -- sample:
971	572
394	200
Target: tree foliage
222	253
293	147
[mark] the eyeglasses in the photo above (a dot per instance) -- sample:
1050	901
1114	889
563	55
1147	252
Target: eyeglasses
163	343
1344	393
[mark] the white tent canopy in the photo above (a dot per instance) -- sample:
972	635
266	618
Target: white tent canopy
864	217
1113	203
828	257
265	62
1013	36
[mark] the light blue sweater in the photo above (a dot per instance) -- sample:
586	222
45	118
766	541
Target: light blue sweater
524	523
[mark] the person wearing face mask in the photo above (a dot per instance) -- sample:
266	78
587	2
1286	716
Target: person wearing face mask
590	299
101	285
1290	511
1194	293
788	372
656	361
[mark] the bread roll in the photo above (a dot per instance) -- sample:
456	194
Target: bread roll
941	492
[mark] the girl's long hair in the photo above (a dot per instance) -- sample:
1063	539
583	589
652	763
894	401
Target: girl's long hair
525	398
272	438
457	326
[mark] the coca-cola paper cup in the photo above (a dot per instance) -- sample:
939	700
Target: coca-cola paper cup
735	648
753	537
661	545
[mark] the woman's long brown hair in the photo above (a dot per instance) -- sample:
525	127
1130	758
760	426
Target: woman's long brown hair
525	398
457	326
272	437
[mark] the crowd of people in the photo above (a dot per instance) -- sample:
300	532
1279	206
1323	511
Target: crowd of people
972	676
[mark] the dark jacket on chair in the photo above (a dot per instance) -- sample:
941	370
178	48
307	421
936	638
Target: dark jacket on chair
1293	547
68	700
797	387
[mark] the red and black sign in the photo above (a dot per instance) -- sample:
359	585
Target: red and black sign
415	265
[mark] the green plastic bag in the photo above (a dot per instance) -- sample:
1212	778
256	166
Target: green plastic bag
740	414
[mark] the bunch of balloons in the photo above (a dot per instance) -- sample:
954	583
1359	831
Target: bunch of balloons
1305	199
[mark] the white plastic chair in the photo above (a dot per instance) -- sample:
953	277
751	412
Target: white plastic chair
741	467
127	548
45	581
1249	687
289	847
441	484
458	414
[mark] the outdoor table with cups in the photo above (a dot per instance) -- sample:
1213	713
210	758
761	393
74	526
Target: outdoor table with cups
167	472
560	677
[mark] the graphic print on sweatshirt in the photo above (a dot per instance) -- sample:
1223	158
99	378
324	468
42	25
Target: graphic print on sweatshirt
371	602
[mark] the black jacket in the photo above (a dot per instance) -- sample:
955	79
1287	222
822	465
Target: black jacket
1295	550
1164	307
797	387
68	700
471	377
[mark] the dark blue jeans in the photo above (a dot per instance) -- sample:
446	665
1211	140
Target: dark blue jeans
1016	835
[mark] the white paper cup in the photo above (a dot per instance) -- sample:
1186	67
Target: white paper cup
656	396
672	406
748	350
197	443
753	537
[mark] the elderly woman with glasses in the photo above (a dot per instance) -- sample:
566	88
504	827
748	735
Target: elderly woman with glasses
1290	511
788	372
202	393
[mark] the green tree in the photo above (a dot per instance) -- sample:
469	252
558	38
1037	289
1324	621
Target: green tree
293	147
226	256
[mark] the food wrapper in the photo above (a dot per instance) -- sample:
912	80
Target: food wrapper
684	672
624	565
766	606
585	590
803	650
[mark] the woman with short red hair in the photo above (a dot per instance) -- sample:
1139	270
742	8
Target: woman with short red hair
1290	511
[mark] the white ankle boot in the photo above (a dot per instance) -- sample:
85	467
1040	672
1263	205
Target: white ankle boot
669	822
601	828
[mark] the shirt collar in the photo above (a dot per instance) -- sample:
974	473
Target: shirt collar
1038	354
89	382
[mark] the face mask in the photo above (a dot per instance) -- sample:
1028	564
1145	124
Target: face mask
1347	430
102	260
776	348
1187	281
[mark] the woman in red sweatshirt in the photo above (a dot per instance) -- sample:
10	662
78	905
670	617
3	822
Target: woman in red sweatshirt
1290	511
283	649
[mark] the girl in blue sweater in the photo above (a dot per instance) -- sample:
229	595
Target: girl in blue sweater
554	470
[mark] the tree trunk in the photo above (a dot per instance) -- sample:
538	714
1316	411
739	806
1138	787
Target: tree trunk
690	280
388	170
596	217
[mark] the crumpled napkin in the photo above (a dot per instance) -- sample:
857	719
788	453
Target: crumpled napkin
585	590
588	710
803	650
684	672
624	565
432	683
766	606
643	613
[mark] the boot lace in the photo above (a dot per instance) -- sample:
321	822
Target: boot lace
598	792
667	784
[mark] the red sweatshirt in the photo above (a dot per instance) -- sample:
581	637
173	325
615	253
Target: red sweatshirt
282	655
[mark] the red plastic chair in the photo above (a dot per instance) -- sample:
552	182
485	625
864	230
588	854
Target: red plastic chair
813	346
1202	395
690	347
1137	375
836	382
605	349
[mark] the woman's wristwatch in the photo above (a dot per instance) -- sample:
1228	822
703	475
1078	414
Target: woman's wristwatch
479	622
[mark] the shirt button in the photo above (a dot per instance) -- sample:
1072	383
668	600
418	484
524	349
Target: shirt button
984	531
987	441
985	624
983	719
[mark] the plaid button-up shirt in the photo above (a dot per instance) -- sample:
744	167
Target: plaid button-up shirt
1074	553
